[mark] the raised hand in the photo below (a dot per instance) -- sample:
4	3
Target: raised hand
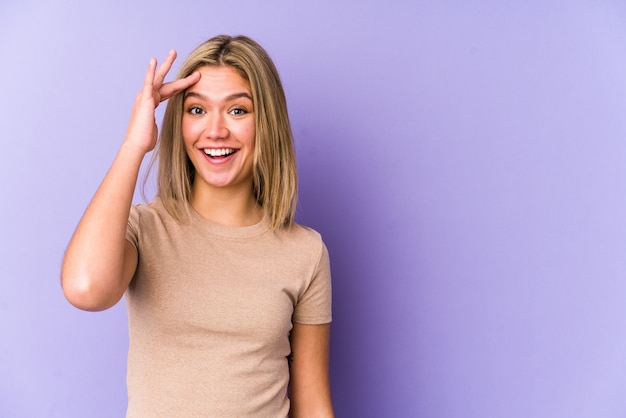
99	263
142	130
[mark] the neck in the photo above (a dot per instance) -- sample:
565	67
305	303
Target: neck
226	206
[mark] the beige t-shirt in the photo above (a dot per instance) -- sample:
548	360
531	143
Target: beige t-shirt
210	310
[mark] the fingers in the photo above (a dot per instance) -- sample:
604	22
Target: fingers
170	89
148	80
154	80
164	68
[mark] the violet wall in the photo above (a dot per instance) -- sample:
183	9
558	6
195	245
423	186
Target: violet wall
464	160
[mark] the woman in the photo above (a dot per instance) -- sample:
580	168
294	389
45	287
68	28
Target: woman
228	298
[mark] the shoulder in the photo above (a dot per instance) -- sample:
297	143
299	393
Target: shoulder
150	218
303	239
152	208
151	211
301	234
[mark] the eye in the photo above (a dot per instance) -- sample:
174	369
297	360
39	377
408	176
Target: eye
238	111
195	110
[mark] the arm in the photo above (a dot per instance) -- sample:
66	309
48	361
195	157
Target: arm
309	386
99	263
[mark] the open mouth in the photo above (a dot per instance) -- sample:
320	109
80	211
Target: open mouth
220	152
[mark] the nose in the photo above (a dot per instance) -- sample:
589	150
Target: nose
215	127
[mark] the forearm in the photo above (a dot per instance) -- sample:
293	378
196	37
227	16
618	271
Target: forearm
99	263
93	275
311	402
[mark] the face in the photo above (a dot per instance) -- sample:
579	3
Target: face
219	129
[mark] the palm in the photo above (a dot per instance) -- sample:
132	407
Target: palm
142	129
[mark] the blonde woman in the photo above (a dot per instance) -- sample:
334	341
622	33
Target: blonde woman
229	300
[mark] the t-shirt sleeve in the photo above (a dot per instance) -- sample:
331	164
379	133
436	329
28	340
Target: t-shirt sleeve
132	228
315	305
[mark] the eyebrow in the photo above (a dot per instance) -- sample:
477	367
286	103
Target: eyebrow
230	98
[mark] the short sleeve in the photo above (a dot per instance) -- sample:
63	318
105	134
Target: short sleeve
132	228
315	305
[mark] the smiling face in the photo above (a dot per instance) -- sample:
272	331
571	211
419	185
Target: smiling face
218	129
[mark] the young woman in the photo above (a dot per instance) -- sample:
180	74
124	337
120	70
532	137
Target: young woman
229	300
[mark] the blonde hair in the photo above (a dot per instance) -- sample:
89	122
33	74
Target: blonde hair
275	179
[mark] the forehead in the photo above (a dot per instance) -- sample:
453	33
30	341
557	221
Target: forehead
216	81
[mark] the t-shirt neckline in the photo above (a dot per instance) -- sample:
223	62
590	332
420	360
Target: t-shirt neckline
226	230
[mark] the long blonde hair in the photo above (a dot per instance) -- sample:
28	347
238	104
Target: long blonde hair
275	180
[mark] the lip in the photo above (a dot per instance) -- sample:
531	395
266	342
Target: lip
220	159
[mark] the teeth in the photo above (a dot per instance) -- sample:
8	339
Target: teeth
219	152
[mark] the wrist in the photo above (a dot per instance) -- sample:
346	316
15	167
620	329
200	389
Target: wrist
132	148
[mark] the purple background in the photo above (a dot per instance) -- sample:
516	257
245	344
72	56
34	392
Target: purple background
464	160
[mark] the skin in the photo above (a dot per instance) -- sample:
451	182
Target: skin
219	115
99	263
309	385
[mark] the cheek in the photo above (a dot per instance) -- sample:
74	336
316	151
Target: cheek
250	134
189	132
